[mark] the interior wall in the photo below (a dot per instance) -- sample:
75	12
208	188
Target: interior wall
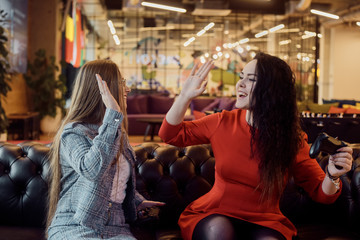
43	32
17	99
43	27
345	59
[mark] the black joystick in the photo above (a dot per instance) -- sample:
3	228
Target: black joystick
327	144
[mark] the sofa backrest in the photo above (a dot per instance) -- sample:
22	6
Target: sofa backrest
165	173
24	171
203	104
174	175
178	176
153	104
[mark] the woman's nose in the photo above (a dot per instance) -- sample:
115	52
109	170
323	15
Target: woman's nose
241	83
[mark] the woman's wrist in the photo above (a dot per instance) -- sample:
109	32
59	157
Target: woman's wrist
331	176
334	179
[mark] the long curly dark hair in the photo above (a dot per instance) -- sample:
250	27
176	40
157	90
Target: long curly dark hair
276	131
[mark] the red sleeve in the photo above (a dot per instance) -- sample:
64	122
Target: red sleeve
190	132
309	175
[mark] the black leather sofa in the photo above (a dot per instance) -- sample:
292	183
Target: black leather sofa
174	175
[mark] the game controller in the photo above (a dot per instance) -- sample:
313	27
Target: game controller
152	212
327	144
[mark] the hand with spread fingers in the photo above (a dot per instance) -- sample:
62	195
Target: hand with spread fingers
106	95
195	84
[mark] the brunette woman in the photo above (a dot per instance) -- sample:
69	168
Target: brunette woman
256	147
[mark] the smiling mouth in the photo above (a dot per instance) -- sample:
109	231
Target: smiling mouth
242	95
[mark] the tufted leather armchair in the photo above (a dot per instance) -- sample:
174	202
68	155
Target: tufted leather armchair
23	190
174	175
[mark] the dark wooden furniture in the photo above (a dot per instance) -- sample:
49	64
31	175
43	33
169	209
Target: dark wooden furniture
24	126
152	124
344	127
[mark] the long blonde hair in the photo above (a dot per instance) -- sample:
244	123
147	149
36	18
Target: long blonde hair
86	106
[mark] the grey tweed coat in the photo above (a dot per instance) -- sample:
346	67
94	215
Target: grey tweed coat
87	152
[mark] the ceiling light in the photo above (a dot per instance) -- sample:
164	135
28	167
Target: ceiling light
278	27
200	32
111	26
210	25
284	42
260	34
325	14
245	40
165	7
289	30
190	40
358	23
313	34
240	49
116	39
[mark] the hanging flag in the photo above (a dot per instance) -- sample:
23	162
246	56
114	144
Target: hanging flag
74	37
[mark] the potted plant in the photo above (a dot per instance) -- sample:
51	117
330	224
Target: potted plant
4	74
47	88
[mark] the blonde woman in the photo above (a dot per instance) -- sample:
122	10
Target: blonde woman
92	193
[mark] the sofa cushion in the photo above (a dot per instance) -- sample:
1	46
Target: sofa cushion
336	110
160	104
340	101
223	103
351	106
200	103
302	106
321	108
137	104
352	111
212	105
227	103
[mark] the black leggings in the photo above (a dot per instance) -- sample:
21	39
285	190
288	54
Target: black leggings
216	226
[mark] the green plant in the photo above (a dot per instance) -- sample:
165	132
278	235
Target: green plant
47	87
4	73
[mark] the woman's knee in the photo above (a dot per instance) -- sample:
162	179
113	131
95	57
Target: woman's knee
263	233
214	227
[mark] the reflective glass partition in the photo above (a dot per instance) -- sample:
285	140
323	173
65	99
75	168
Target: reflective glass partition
156	50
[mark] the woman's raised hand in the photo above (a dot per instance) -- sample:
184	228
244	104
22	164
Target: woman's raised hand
106	95
195	84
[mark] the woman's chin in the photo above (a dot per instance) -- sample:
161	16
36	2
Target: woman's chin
241	105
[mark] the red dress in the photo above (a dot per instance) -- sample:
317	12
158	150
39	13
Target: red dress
235	191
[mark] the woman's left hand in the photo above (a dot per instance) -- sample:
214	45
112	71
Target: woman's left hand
341	159
149	209
149	204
